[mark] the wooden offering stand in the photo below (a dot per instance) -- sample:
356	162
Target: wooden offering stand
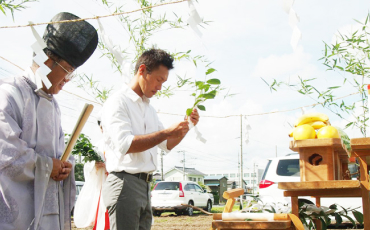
281	221
323	169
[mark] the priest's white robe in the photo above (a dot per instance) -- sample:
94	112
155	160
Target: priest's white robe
30	136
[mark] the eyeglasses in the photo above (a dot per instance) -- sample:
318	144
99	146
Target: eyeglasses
69	75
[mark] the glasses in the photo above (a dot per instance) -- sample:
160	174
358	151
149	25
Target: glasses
69	75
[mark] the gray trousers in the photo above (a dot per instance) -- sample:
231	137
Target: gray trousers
127	199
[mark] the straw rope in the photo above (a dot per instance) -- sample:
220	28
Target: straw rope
90	18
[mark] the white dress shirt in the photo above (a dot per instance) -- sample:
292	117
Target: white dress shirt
125	115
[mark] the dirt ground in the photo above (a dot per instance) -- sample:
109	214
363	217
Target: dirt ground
173	222
169	221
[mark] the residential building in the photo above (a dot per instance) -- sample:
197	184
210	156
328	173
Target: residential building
218	185
177	174
252	177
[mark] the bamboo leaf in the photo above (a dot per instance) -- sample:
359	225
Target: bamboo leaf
2	9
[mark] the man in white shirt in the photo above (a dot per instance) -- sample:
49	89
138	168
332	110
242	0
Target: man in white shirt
132	132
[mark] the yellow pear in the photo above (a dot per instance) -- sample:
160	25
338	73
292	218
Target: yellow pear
304	132
328	132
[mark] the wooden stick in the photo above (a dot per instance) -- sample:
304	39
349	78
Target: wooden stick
199	209
86	111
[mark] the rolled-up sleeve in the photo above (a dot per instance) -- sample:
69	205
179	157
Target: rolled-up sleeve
117	129
163	144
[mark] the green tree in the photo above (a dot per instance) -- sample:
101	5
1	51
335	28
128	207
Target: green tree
79	172
84	148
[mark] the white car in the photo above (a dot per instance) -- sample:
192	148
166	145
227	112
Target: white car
169	195
79	185
286	169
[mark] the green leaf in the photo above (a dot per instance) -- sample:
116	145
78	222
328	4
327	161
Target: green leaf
210	70
359	216
323	224
206	87
2	9
189	111
350	219
214	81
201	107
207	96
338	219
199	83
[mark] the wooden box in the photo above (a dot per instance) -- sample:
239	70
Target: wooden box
321	159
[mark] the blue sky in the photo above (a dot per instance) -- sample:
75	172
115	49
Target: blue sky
246	40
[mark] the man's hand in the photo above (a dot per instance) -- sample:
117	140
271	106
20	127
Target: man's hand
178	130
64	172
194	117
57	168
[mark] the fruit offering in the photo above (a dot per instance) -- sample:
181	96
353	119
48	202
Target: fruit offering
305	126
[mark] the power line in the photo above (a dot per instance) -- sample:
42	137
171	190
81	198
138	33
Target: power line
96	17
238	115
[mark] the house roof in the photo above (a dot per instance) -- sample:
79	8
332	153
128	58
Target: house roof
218	184
189	171
214	177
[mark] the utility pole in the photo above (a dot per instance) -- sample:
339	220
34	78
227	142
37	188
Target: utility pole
241	151
162	152
254	175
183	167
183	161
275	150
241	159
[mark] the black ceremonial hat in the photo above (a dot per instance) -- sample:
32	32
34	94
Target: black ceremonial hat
74	42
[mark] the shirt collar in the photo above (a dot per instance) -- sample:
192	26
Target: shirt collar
133	96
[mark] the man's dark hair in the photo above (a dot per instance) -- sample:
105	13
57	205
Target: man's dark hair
153	58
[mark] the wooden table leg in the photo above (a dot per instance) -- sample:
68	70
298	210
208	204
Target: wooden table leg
317	221
295	207
364	178
318	201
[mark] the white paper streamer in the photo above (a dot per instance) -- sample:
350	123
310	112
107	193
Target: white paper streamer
234	216
293	21
199	136
293	18
194	18
296	36
247	128
40	59
126	67
287	5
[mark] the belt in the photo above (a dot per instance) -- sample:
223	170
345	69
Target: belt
147	177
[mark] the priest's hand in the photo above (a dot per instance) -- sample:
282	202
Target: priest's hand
65	171
57	168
